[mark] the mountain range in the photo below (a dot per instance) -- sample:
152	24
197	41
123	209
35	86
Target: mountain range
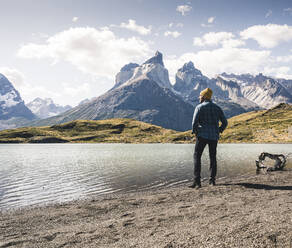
263	126
13	111
144	92
140	99
45	108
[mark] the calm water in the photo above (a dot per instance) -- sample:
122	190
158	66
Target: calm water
36	174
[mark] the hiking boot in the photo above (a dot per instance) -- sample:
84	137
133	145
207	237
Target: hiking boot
212	182
195	185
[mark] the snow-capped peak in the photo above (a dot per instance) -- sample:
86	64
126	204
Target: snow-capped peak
190	68
125	74
188	78
9	96
152	68
44	108
157	59
11	104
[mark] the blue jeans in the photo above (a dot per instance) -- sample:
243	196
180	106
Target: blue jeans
199	148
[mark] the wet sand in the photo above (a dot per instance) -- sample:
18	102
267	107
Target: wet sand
247	211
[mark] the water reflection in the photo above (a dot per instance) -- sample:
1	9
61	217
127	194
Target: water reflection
33	174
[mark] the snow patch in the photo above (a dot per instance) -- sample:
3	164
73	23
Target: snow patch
9	99
45	108
155	72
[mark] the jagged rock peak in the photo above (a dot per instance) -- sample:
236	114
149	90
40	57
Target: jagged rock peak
11	103
157	59
260	77
189	67
4	79
125	74
44	108
45	100
129	67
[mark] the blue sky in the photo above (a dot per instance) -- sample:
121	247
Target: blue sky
70	50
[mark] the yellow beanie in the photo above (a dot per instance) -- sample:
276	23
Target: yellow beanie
206	93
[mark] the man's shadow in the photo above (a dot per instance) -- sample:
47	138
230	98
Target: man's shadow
260	186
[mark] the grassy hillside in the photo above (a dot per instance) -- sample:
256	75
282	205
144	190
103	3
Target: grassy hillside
102	131
266	126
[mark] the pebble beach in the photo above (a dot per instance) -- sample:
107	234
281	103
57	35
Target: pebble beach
246	211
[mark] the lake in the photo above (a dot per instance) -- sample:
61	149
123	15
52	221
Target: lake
37	174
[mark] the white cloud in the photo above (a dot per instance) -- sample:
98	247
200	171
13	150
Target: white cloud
30	92
269	13
268	36
211	19
66	93
75	19
288	10
278	72
183	9
225	59
14	76
232	43
27	91
206	25
131	25
40	35
72	91
284	59
94	51
178	25
174	34
212	39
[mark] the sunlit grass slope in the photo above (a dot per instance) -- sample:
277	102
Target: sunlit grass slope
101	131
266	126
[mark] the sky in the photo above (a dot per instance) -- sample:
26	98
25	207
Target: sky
70	50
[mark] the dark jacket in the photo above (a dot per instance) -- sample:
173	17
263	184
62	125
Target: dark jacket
206	120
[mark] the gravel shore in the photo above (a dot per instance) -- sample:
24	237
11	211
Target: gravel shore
247	211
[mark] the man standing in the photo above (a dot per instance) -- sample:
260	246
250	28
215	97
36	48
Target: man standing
206	128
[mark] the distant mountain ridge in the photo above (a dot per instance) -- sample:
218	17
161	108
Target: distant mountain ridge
245	90
189	82
264	91
45	108
12	108
147	96
264	126
141	99
144	92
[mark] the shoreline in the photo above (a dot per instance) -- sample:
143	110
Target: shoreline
121	194
245	211
146	143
